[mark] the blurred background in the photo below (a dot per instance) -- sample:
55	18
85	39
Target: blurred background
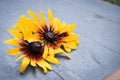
98	24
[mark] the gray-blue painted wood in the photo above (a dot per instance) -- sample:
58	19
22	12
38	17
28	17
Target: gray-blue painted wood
98	24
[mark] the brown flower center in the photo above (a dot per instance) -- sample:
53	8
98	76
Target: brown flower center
33	50
35	47
49	36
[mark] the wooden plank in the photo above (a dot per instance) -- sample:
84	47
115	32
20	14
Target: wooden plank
10	69
98	53
97	26
91	60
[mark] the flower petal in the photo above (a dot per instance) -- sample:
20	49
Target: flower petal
50	17
47	65
12	42
24	64
33	15
52	60
67	49
19	57
56	24
42	17
70	45
33	63
76	42
61	51
15	33
67	55
28	23
72	27
71	38
19	28
40	64
67	28
32	38
14	51
45	51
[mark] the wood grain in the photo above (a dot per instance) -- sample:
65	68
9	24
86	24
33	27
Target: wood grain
98	24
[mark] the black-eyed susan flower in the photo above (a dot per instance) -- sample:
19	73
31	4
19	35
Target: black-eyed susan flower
33	53
56	34
31	34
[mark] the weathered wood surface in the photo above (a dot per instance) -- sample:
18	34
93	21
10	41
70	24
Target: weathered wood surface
98	24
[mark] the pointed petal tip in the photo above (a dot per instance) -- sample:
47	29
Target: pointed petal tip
45	72
39	10
5	42
21	71
58	63
49	9
24	64
27	10
69	57
22	16
74	24
50	68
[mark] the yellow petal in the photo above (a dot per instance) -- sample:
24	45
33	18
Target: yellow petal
32	39
33	15
67	55
50	57
42	17
45	51
33	63
29	23
24	21
50	17
67	49
52	60
52	51
19	28
24	64
71	38
12	42
59	27
61	51
56	24
72	27
28	36
67	28
40	64
76	42
70	45
19	57
15	33
47	65
14	51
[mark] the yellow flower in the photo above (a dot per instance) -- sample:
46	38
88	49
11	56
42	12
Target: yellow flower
57	35
40	42
34	53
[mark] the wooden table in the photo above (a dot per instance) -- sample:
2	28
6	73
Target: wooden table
98	24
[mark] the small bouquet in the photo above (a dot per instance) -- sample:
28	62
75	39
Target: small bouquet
38	42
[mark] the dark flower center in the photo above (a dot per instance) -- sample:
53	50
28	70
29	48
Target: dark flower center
33	50
35	47
49	36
